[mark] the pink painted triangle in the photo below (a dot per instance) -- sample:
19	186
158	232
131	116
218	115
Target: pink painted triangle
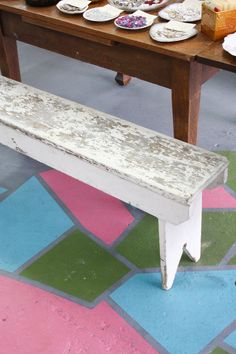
218	198
35	321
106	217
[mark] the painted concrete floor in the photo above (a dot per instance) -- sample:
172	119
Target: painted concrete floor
80	270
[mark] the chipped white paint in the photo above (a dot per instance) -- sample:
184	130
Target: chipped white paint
174	239
155	173
172	168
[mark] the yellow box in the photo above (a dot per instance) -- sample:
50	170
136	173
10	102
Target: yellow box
217	25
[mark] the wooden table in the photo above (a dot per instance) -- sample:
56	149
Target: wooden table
178	66
217	57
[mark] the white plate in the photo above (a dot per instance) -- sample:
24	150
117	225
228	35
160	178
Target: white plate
229	44
93	15
149	23
180	13
58	5
143	7
159	38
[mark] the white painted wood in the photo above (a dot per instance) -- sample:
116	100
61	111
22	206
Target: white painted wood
160	175
171	168
174	239
127	191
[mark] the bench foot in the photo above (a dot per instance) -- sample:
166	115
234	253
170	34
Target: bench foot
174	239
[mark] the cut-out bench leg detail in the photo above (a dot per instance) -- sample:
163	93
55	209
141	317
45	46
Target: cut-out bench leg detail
174	239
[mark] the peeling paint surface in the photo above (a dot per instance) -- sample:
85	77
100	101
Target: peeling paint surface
171	168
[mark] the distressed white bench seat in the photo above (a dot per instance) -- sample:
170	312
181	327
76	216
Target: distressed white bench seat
158	174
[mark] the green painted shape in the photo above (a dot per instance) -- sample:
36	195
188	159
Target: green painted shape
77	266
231	156
233	261
141	246
218	235
219	351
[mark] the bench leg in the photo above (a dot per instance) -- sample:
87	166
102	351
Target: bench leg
174	239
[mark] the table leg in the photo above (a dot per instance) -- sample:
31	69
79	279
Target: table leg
122	79
186	90
9	63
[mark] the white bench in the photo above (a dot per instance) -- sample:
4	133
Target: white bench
158	174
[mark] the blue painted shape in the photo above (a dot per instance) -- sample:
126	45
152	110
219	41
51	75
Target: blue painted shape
231	339
187	317
30	220
2	190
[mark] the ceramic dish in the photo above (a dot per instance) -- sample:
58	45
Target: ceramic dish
98	14
159	33
134	5
132	22
60	7
181	13
229	44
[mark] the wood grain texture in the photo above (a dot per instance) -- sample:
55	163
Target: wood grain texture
217	57
152	67
168	167
186	90
9	62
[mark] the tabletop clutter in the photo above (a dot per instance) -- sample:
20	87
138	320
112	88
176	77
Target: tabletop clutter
177	21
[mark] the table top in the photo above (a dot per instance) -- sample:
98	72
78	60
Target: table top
50	17
217	57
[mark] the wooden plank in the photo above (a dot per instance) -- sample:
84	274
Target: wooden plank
135	62
186	90
74	32
9	63
217	57
170	168
95	176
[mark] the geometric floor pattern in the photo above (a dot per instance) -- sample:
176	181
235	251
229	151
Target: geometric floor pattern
107	223
180	322
30	221
80	272
77	266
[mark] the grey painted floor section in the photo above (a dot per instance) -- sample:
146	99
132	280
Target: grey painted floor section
140	102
